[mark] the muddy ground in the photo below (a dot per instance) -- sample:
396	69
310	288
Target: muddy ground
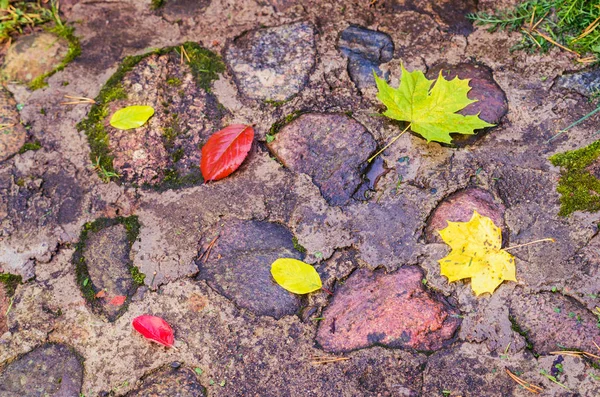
299	72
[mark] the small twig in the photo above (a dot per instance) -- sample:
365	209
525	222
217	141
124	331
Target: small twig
532	17
574	353
529	243
184	52
581	120
326	290
540	21
208	249
9	306
78	100
389	144
526	385
551	40
6	126
532	38
589	29
326	360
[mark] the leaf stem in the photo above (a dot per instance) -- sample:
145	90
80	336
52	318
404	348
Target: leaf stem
529	243
389	144
326	290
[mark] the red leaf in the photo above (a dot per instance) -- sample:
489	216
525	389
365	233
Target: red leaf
225	151
101	294
118	300
154	328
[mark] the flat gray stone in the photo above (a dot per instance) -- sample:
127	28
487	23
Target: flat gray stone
273	63
52	370
239	267
106	255
12	132
33	55
585	83
331	148
172	382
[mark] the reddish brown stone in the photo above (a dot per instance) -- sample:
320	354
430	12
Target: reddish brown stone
331	148
553	321
459	207
491	103
392	310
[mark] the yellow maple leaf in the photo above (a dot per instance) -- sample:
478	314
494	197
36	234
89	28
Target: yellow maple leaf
477	254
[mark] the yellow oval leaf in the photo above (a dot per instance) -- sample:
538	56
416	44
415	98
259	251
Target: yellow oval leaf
131	117
295	276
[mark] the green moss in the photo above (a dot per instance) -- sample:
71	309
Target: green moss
174	81
177	155
36	145
66	32
297	246
579	189
278	125
156	4
517	328
82	274
173	180
10	282
204	65
276	103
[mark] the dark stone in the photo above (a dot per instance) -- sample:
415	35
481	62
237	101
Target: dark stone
375	170
49	370
454	14
70	192
331	148
174	10
239	267
585	83
172	382
366	49
13	133
491	103
273	64
106	255
392	310
459	207
553	321
185	116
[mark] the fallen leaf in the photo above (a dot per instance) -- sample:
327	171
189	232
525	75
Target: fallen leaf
431	111
118	300
101	294
131	117
154	328
225	151
295	276
477	254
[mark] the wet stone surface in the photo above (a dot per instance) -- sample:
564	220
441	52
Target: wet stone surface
273	64
239	267
175	382
12	132
106	255
331	148
491	104
552	321
366	49
167	146
392	310
34	55
48	370
585	83
459	207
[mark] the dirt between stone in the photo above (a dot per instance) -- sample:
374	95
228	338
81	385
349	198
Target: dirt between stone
296	72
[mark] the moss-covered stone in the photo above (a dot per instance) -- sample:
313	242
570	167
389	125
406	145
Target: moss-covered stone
579	188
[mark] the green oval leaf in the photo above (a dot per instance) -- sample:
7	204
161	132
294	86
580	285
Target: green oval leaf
295	276
131	117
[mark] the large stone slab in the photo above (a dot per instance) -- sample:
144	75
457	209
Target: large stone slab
491	104
459	207
52	370
166	148
552	321
33	55
273	64
331	148
366	49
12	132
173	382
239	267
392	310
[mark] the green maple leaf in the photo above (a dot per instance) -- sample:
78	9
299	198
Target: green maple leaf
431	111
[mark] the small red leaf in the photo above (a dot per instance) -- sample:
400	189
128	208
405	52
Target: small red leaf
225	151
118	300
101	294
154	328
